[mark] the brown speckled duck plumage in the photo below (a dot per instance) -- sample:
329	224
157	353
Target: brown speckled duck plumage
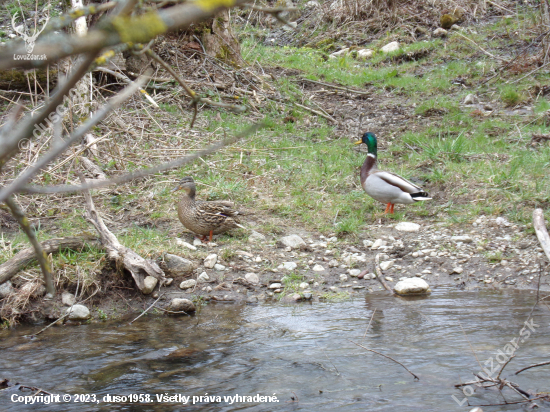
202	217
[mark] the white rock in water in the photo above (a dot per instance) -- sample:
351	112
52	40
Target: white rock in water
463	239
255	237
203	277
365	53
252	278
78	312
68	299
293	242
5	289
181	305
386	264
318	268
288	266
210	260
393	46
186	284
412	286
407	227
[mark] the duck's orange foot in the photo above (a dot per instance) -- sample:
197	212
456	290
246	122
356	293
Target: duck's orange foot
389	208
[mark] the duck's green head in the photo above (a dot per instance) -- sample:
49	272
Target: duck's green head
370	140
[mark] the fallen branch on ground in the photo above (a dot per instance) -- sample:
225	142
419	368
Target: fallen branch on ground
542	233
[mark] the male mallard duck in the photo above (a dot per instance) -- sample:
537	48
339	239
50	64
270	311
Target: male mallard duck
202	217
386	187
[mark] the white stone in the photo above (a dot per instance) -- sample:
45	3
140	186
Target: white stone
149	284
210	260
181	242
312	4
457	270
411	286
288	266
255	237
463	239
368	243
68	299
293	242
275	286
186	284
354	272
178	265
343	277
469	100
318	268
304	285
219	267
365	53
333	263
440	32
181	305
252	278
78	312
390	47
407	227
386	264
378	243
5	289
389	279
203	277
339	53
197	242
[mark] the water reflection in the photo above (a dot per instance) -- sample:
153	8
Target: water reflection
303	354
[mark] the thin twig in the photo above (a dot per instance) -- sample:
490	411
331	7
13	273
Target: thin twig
147	310
532	366
379	274
386	356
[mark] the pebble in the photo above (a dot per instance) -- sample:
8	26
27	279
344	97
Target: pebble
378	243
186	284
203	277
389	279
275	286
256	237
412	286
458	270
440	32
343	277
293	242
469	100
333	263
368	243
5	289
68	299
365	53
354	272
407	227
252	278
181	242
390	47
288	266
318	268
386	264
181	305
177	265
304	285
168	281
219	267
463	239
307	295
210	260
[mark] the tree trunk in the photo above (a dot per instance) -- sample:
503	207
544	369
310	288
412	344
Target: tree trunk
219	42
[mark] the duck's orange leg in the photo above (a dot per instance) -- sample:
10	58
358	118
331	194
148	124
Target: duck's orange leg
211	234
387	208
392	206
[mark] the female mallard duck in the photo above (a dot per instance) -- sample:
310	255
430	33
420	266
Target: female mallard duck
202	217
386	187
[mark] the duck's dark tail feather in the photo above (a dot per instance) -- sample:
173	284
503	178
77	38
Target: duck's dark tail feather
420	196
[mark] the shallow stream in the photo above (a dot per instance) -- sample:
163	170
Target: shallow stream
301	355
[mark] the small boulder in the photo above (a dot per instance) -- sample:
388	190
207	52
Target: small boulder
181	305
252	278
78	312
210	260
390	47
365	54
293	242
149	284
68	299
189	283
177	265
412	286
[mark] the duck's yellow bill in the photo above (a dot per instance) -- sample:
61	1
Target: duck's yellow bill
358	142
